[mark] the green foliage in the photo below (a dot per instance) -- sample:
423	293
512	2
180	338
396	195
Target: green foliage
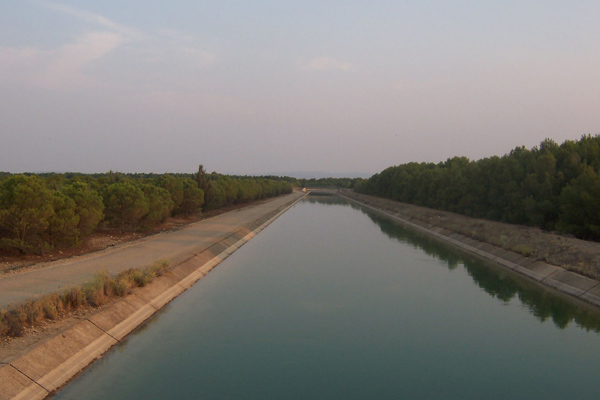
551	186
193	197
44	211
125	205
226	190
89	206
62	225
345	183
580	205
26	207
202	179
160	204
175	188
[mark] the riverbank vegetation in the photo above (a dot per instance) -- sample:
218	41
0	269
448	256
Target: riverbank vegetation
343	183
551	186
99	290
39	212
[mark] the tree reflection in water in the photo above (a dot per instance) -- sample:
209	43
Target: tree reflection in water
498	282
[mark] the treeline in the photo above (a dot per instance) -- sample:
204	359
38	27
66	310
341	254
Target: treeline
551	186
345	183
224	190
39	212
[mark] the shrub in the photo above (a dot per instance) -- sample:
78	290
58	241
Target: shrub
32	310
140	278
13	322
97	291
122	285
159	268
73	298
524	250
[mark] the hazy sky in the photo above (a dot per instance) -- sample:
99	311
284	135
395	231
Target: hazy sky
252	87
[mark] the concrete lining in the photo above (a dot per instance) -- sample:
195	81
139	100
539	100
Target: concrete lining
52	364
592	296
550	275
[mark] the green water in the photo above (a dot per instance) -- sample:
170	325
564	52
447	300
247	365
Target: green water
331	302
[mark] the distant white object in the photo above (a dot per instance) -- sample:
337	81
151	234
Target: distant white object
304	189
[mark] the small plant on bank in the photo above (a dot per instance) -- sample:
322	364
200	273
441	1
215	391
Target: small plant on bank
523	250
51	306
99	290
122	284
73	298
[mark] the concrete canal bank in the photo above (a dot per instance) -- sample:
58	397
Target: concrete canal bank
546	274
49	365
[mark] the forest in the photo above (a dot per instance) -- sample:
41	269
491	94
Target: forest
345	183
39	212
551	186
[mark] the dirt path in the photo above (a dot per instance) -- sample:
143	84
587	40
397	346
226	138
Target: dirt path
174	246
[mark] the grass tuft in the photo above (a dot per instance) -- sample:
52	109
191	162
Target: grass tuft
99	290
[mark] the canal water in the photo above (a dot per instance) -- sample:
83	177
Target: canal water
333	302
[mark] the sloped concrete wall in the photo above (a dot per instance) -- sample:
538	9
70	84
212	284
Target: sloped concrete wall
550	275
52	364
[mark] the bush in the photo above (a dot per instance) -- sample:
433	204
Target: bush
159	268
51	306
32	310
73	298
12	323
122	284
99	289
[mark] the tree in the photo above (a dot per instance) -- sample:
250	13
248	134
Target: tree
89	206
160	204
580	202
206	184
193	197
202	179
175	188
62	225
125	205
26	206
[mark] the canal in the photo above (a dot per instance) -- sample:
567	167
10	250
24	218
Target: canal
334	302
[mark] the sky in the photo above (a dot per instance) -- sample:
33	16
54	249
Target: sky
273	87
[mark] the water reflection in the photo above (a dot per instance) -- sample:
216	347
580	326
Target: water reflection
329	200
499	283
321	305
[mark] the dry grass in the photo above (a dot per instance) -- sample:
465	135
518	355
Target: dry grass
99	290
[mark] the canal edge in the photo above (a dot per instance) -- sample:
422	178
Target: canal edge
552	276
50	366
